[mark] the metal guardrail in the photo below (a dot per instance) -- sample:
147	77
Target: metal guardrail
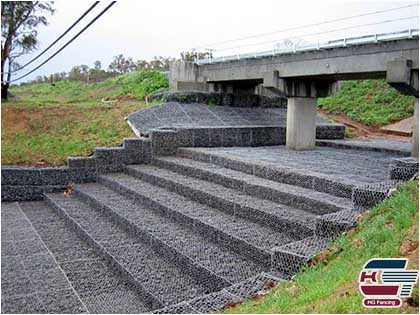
343	42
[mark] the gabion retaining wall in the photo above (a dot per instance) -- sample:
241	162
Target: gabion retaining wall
231	295
166	141
30	183
391	148
404	168
221	99
309	232
369	195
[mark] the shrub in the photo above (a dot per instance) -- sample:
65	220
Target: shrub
143	83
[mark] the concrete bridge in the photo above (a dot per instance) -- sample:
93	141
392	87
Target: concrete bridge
304	74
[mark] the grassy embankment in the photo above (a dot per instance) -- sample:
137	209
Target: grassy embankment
371	102
330	284
46	123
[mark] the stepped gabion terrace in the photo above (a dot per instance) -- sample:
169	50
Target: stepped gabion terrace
189	219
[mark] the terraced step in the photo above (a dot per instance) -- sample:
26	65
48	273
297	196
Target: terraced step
294	222
211	259
135	257
289	258
299	197
282	171
100	289
216	302
242	235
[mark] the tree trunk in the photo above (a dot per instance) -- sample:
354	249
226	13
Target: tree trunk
5	84
4	89
9	71
3	62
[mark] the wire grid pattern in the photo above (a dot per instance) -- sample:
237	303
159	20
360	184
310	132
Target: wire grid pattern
403	168
158	238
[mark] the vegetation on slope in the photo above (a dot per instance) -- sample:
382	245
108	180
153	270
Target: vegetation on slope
135	85
143	83
47	135
47	123
372	102
331	285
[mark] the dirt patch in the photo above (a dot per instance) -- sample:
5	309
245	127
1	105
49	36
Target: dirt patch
126	98
14	119
26	119
21	118
362	131
410	249
325	256
121	98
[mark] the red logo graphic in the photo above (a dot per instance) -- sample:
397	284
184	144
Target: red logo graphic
384	281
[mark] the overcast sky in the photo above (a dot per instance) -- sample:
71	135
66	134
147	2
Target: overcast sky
146	28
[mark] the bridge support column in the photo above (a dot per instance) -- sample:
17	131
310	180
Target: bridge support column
301	127
301	106
415	149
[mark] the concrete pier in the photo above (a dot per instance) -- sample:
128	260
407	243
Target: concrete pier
300	130
415	151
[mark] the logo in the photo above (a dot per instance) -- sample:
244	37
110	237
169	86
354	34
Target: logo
385	281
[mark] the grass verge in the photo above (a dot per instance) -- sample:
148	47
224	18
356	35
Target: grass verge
330	286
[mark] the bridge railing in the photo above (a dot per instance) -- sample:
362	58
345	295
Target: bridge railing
342	42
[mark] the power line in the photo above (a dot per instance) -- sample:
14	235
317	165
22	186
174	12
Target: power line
305	26
69	42
318	33
61	36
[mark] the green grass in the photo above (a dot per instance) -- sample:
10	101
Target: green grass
331	286
143	83
135	85
372	102
47	123
47	135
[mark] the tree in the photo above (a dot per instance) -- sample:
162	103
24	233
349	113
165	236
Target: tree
166	63
97	65
84	69
195	55
59	76
19	22
75	74
142	65
122	65
160	63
